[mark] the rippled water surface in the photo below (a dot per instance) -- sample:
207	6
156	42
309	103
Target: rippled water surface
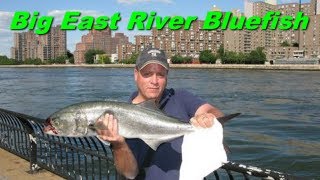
279	127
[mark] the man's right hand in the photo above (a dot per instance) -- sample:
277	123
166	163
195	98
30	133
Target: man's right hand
124	160
110	131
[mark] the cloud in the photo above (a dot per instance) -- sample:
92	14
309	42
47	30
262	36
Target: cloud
6	34
5	20
6	43
59	14
5	30
288	1
142	1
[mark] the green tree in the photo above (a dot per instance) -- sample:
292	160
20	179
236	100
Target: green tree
177	59
89	55
256	57
241	58
58	60
36	61
230	57
61	59
132	60
104	59
187	60
4	60
220	52
70	57
207	57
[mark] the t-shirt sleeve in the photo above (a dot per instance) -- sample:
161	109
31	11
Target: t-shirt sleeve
191	102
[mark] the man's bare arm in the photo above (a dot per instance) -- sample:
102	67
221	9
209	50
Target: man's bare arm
124	159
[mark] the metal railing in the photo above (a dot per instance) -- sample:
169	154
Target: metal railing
86	157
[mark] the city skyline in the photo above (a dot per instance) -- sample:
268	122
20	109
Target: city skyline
58	8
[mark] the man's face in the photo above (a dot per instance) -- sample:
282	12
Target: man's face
151	81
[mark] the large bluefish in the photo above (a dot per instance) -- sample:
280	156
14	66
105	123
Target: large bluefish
142	121
202	148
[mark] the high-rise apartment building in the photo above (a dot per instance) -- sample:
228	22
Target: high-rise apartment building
49	46
25	46
16	50
191	42
118	39
289	36
262	38
248	8
53	44
271	40
187	43
59	42
125	51
98	40
143	41
310	38
237	40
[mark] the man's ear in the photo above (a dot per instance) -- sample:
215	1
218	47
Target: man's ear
136	74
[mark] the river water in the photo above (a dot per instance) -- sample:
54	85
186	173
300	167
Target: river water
279	128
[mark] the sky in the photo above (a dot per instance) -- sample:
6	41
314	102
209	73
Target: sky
95	8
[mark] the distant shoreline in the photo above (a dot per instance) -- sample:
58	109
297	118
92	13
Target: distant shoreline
313	67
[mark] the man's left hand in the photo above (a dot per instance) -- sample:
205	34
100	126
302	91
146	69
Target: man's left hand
204	120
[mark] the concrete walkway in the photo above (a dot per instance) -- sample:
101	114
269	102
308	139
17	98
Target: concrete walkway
13	167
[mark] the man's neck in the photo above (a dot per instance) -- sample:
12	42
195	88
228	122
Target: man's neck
139	99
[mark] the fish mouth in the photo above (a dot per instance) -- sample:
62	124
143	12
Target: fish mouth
48	128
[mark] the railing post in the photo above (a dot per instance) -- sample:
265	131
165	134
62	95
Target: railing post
33	154
24	119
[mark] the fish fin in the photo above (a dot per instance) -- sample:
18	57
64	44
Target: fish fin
93	126
107	112
153	143
104	113
150	104
226	118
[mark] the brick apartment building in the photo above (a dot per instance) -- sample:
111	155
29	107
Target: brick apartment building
187	43
191	42
195	40
307	41
49	46
99	40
